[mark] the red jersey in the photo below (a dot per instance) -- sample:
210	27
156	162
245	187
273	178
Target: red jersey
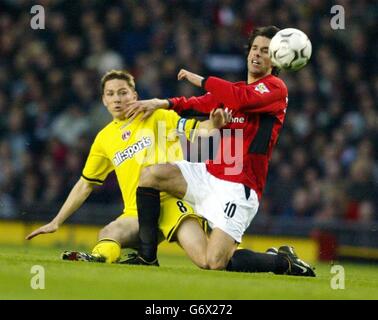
259	110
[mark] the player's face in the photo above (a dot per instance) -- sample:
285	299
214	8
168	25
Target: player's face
259	63
117	94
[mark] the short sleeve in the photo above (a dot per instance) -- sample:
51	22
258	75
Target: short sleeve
98	165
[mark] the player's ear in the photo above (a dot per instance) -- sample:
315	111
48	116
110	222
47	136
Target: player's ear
103	99
136	95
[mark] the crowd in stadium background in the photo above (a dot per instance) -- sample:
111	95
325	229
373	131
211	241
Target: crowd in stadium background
325	164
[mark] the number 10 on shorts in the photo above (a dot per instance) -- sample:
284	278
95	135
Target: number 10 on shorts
230	209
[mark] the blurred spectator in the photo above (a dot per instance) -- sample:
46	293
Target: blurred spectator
53	191
70	125
300	205
283	188
360	189
7	206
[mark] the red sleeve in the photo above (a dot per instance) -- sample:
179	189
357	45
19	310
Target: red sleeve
261	97
204	104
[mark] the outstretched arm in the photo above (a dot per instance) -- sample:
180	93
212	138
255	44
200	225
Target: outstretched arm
193	78
262	97
204	104
259	98
75	199
147	107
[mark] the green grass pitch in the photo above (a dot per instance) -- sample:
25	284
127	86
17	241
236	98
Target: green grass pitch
177	278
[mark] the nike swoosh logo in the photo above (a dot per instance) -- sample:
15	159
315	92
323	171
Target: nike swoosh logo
280	56
304	270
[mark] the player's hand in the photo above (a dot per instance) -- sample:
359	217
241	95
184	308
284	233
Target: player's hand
220	117
193	78
47	228
147	107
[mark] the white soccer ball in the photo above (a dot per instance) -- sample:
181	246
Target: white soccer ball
290	49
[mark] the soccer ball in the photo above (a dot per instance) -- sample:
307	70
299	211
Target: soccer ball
290	49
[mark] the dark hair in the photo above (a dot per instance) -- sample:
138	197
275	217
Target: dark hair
117	74
267	32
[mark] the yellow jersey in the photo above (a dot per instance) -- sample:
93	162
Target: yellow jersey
127	147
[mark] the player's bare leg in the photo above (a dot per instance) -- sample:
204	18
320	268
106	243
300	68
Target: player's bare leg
164	177
123	230
192	238
220	249
119	233
153	179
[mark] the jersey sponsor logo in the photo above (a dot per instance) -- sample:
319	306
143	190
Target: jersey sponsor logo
237	120
261	87
126	135
130	151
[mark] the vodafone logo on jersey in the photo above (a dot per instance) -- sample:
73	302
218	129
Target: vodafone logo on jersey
237	120
126	135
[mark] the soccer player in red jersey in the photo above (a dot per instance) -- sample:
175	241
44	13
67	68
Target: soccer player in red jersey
227	195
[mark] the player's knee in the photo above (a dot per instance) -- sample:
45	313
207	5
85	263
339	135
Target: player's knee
215	265
148	178
202	263
215	262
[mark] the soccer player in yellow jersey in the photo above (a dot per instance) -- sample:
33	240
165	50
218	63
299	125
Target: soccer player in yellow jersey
126	145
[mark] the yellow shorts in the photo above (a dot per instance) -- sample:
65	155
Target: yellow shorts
173	211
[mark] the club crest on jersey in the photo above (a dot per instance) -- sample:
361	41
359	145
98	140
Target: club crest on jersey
126	135
261	87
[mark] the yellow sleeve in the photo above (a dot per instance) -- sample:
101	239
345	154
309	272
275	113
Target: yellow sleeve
98	165
174	122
